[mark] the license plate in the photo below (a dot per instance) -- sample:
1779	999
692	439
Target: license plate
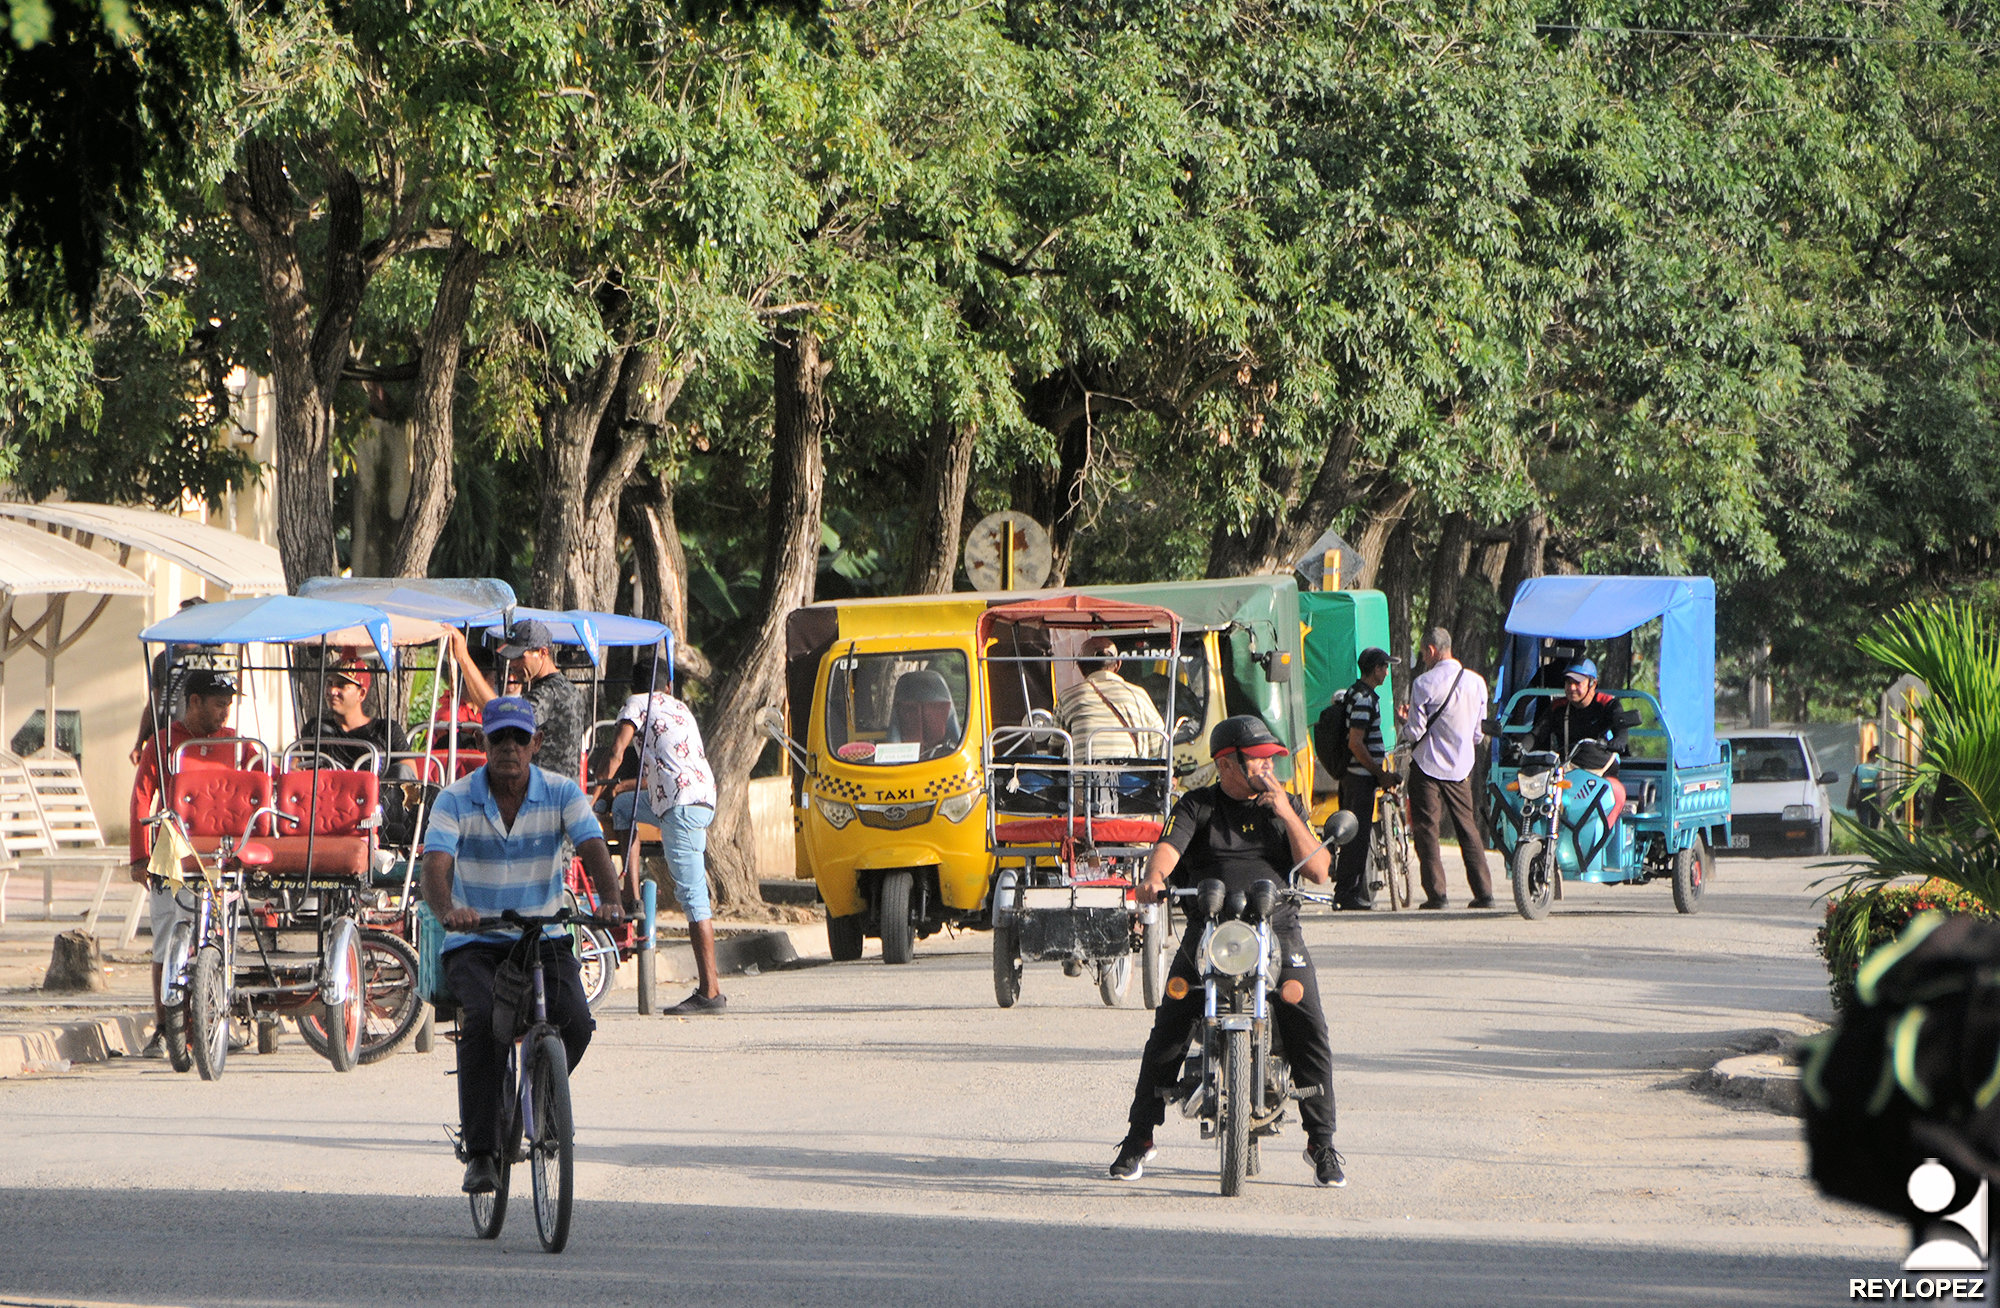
1739	842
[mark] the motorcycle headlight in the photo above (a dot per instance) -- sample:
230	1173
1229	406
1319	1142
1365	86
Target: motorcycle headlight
1232	948
958	806
1533	785
1799	813
837	814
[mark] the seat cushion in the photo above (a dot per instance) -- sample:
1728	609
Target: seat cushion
1052	831
332	856
346	803
213	802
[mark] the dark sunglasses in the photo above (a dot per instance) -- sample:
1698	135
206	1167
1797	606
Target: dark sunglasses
508	736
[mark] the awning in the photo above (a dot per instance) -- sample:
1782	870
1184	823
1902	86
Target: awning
36	562
280	620
236	563
460	601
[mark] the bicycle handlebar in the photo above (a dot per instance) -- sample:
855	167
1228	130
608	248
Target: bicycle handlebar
563	917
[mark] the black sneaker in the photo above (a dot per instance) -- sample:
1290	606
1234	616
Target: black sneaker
698	1004
1325	1160
1132	1158
481	1176
1484	901
155	1047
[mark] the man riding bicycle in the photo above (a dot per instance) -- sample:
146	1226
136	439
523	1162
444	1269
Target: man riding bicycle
496	842
1243	829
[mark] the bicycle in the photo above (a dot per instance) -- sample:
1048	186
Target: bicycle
536	1127
1391	858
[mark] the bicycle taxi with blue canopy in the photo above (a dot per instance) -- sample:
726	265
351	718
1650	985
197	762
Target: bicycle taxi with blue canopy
279	843
1657	812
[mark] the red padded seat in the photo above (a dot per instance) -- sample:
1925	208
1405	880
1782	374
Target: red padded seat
1058	831
213	802
343	818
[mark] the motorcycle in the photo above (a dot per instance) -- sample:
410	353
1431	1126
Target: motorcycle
1237	1080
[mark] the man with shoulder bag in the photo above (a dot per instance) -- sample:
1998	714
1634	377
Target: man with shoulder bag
1446	704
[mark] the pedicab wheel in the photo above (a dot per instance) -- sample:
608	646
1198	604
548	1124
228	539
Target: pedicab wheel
489	1211
208	1014
426	1038
175	1036
1006	966
843	937
1532	884
1114	979
1254	1160
343	1021
1690	874
899	936
267	1035
597	962
1153	959
1234	1128
551	1154
390	1008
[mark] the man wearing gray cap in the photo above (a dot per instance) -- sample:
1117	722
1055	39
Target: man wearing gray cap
560	708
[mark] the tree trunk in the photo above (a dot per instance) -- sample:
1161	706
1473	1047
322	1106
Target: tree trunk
431	485
1616	674
1448	564
1526	559
1398	578
1271	542
947	475
569	435
661	567
1371	538
1477	620
791	559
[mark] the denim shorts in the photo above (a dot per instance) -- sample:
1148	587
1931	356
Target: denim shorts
684	842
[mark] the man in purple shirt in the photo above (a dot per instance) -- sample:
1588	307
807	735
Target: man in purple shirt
1446	707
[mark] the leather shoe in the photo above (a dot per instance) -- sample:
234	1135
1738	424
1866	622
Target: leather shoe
1432	904
1484	901
481	1176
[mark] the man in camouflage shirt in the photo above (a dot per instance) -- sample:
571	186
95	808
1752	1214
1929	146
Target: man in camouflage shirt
562	711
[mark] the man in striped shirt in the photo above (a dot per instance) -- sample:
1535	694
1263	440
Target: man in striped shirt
496	842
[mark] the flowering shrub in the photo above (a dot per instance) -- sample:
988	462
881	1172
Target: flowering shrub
1857	923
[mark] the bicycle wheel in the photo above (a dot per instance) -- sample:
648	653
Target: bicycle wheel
1399	858
341	965
489	1211
596	962
390	1009
552	1150
175	1036
208	1014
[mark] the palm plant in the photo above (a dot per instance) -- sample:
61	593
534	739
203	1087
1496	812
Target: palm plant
1955	649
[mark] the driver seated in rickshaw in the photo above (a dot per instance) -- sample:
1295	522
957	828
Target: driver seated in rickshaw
1585	727
922	711
1108	716
346	728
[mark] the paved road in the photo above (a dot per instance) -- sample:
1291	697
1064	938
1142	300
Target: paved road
1513	1097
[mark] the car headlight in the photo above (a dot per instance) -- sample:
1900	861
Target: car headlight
958	806
837	814
1798	813
1232	948
1533	785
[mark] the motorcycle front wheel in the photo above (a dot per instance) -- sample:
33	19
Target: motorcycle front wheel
1532	870
1233	1112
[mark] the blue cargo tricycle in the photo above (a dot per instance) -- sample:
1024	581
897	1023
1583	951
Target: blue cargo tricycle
1666	806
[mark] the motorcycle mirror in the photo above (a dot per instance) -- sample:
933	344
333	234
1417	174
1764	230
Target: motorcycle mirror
1209	894
1340	828
1263	898
772	723
1233	907
1186	730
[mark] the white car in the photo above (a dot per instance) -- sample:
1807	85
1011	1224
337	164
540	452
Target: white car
1778	802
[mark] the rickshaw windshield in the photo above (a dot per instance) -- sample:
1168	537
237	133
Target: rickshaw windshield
904	706
1190	698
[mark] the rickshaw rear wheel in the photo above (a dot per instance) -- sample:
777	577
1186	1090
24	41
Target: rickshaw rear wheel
267	1035
390	1008
1532	888
899	934
597	962
844	937
1690	874
179	1056
1114	979
426	1038
1006	966
208	1007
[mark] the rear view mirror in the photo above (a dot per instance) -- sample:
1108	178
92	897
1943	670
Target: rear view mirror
1828	777
1492	725
1629	718
1186	730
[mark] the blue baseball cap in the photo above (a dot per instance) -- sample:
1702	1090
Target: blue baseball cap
1582	669
508	711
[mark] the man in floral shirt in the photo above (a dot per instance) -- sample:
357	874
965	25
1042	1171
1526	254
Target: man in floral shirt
676	793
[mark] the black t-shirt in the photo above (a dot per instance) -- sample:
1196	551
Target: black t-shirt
379	732
1239	842
1560	725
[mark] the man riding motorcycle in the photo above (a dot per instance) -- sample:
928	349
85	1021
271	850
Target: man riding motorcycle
1583	713
1243	829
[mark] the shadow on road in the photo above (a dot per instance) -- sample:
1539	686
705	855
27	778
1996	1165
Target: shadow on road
311	1249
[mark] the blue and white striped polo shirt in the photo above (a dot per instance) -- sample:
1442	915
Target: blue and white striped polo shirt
494	868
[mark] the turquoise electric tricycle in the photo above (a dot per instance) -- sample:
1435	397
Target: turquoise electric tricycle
1664	807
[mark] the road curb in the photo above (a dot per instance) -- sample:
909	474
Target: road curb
87	1040
1765	1079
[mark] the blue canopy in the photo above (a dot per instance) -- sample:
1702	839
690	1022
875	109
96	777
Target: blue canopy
277	620
1600	608
593	630
460	601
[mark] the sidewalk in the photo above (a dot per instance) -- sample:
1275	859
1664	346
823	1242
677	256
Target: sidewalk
48	1032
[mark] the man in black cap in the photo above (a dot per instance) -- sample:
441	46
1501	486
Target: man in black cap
1243	829
1367	769
560	708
